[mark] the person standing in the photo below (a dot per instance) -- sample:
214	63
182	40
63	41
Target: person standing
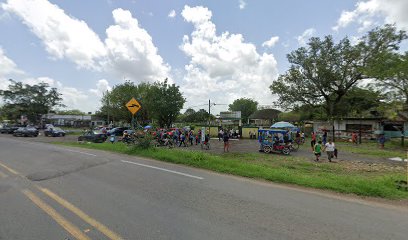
329	147
324	137
220	134
313	142
317	150
381	141
225	138
354	138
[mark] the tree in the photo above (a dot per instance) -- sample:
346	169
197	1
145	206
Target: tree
114	102
391	73
359	102
247	106
323	72
29	100
164	102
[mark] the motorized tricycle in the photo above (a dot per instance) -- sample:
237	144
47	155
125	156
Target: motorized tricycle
271	141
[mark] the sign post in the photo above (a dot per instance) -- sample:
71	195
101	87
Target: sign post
133	106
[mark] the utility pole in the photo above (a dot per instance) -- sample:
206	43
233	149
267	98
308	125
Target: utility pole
209	116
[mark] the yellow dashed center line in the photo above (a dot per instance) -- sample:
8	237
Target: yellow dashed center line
10	169
68	226
102	228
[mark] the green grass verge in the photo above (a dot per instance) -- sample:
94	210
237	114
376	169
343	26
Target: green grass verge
276	168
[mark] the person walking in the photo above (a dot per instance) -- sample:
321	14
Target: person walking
329	147
182	139
317	150
225	138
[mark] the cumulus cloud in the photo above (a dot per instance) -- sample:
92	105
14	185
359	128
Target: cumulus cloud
127	51
102	86
8	69
172	14
242	4
306	35
63	36
366	14
271	42
223	67
131	52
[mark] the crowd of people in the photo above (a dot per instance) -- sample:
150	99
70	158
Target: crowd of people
180	137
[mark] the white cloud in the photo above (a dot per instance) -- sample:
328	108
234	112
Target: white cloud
131	52
306	35
242	4
367	12
62	35
271	42
8	69
172	14
102	86
223	67
128	51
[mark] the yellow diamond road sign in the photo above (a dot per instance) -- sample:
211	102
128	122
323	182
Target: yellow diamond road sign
133	106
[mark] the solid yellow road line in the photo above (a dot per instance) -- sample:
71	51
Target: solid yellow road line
10	169
3	175
102	228
69	227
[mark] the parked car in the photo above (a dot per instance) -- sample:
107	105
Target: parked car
26	132
8	129
93	136
54	132
118	131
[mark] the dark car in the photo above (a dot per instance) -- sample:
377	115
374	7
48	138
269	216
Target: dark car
93	136
54	132
8	129
118	131
26	132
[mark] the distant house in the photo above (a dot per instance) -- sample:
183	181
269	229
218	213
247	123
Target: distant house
85	120
264	117
369	126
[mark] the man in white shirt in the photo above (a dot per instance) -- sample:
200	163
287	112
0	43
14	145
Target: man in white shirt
329	148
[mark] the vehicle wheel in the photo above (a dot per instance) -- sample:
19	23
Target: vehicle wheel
286	151
267	149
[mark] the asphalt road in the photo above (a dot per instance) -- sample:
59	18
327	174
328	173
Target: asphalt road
55	192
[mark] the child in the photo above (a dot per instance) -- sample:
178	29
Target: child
318	150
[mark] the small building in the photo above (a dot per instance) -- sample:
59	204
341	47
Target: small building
369	127
264	117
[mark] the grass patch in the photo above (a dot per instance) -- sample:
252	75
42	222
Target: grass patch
276	168
372	149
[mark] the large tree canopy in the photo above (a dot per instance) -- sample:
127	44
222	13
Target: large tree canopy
29	100
391	73
165	102
247	106
159	101
324	71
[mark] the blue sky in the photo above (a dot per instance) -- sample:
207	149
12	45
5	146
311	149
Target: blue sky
216	50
